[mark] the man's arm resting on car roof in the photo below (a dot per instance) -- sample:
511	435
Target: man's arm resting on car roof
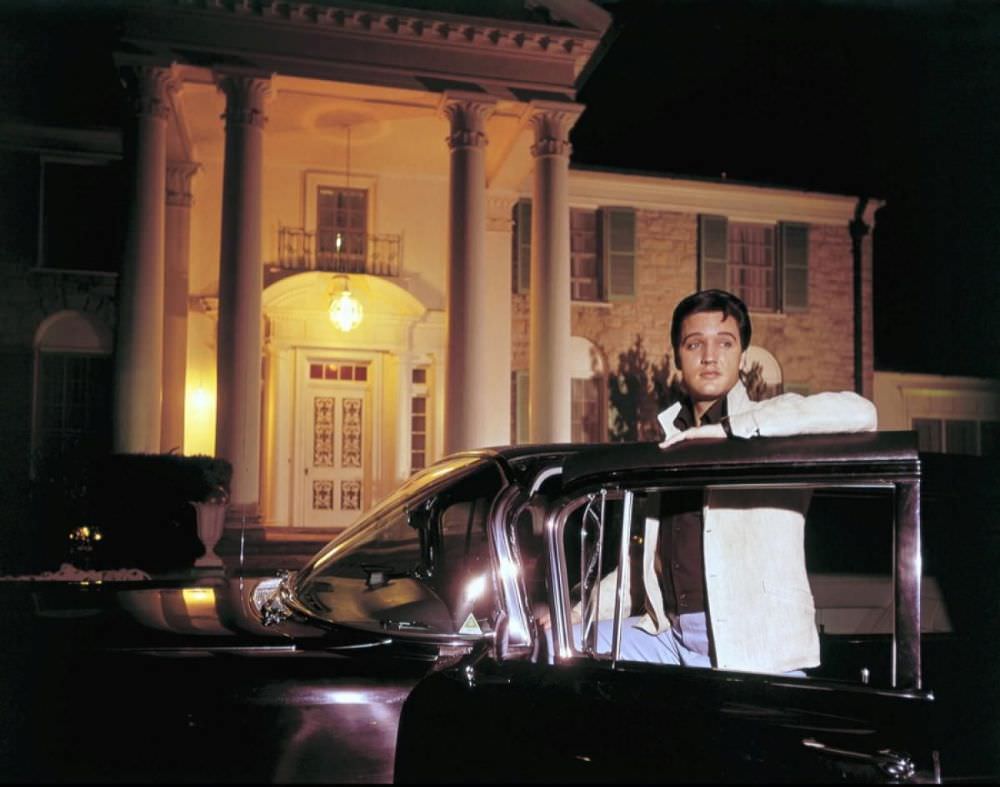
791	414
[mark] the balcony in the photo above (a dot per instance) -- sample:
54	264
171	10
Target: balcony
334	252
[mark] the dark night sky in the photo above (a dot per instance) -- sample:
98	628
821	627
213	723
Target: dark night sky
894	100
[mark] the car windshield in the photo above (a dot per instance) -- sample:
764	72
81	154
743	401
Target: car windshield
413	489
421	566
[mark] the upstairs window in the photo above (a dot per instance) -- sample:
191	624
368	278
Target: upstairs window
766	265
82	216
341	229
585	279
752	265
602	252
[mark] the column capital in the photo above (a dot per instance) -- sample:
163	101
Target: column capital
179	174
552	122
467	113
149	89
246	97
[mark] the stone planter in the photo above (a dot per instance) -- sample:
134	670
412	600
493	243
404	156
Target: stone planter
211	517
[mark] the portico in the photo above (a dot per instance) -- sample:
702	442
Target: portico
312	148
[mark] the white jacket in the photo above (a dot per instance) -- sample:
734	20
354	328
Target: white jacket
760	605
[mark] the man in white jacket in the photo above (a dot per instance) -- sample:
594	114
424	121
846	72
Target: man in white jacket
724	575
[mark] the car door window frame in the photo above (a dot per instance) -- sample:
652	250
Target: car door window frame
906	575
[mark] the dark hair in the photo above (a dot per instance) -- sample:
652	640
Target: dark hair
710	301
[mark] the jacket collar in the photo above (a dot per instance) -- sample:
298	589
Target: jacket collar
737	401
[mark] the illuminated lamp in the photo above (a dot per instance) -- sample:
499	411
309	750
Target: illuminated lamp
346	311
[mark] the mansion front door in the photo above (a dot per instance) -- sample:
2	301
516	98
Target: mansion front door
335	429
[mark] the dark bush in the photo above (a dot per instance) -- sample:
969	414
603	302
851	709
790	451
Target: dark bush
141	504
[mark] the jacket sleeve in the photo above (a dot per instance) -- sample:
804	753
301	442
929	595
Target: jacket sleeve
791	414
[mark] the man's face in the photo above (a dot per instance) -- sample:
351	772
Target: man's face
710	356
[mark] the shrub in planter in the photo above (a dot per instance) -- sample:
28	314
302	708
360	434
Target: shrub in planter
141	503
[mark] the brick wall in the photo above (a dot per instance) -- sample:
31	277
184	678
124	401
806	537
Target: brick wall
666	265
815	348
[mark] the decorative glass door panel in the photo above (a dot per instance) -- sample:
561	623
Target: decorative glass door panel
336	434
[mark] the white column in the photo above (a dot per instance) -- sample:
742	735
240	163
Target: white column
499	231
139	349
267	441
276	502
175	303
550	416
468	397
404	424
238	427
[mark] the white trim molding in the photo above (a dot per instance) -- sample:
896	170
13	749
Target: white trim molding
737	201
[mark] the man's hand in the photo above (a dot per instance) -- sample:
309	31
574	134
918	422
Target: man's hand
544	619
708	431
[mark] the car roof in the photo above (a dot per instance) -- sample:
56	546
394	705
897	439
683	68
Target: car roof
524	462
529	450
844	455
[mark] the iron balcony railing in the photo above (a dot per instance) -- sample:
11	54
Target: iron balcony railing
299	250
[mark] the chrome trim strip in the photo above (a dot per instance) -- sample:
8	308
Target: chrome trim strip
624	569
542	477
507	573
906	581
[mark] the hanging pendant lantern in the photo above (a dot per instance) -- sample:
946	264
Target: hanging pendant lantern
346	311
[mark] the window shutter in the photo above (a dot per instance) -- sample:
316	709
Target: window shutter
794	267
522	245
521	435
713	252
618	253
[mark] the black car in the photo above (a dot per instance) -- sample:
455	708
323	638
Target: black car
209	679
446	619
580	712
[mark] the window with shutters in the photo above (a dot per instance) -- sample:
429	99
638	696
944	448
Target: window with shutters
602	252
766	265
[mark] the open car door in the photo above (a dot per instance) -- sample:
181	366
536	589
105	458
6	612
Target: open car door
576	708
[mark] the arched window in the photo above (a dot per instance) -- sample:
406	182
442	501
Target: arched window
71	413
588	390
589	383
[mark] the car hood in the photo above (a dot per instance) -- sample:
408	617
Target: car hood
208	611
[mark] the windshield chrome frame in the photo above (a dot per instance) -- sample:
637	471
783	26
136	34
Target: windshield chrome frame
513	629
361	528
